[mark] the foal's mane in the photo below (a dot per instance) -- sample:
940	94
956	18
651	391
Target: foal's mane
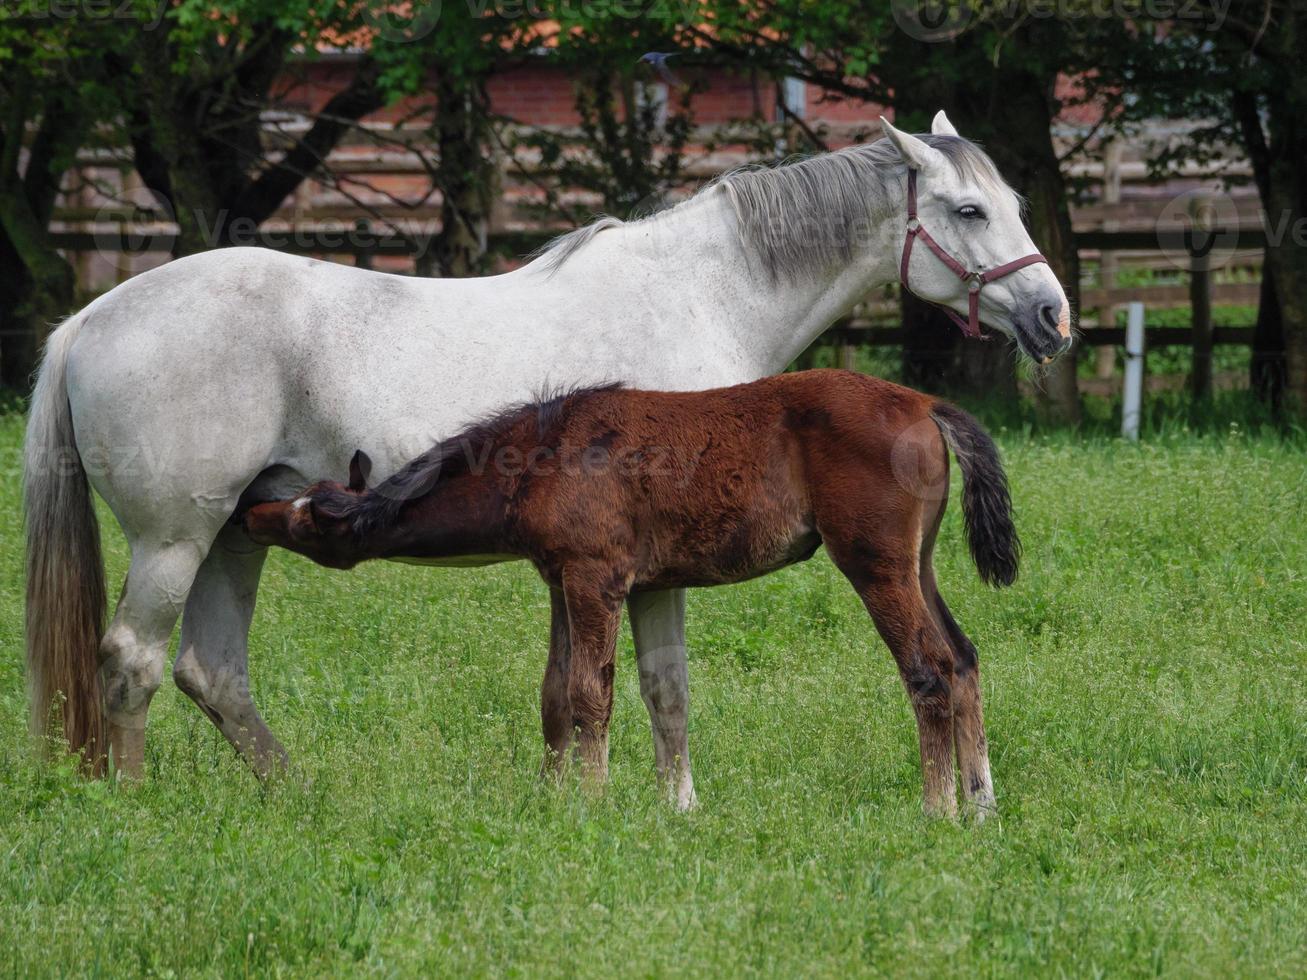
380	506
806	214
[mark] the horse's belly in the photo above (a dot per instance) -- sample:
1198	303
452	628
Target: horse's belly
736	558
459	561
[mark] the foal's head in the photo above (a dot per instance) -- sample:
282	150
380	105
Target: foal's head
319	523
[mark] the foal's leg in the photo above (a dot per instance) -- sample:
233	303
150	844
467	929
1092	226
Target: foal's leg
555	707
968	718
891	591
212	665
594	611
658	626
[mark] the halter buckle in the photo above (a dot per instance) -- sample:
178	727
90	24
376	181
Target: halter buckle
974	282
914	224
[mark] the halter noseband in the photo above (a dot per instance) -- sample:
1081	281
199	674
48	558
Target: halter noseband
975	280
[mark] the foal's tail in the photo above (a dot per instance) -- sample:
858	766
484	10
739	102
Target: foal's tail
65	574
986	503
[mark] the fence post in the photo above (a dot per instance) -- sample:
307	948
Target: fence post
848	355
1132	397
1201	217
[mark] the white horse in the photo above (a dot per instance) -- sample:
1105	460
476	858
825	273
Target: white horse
244	374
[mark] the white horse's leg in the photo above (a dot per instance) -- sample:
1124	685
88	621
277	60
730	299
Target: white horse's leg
212	665
135	647
658	625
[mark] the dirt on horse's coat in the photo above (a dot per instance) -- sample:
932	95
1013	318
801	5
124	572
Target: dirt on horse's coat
609	491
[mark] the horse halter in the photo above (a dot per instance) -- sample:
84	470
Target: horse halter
975	280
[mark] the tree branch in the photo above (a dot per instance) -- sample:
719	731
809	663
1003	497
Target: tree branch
799	121
264	195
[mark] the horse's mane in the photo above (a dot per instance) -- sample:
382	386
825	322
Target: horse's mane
806	214
380	506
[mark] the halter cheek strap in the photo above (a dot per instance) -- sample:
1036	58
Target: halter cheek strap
975	280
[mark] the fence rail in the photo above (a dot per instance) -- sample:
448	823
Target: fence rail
1167	297
333	241
875	336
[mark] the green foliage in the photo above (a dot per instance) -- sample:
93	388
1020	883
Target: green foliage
633	127
628	149
1146	730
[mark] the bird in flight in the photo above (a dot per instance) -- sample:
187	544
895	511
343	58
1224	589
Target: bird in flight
658	61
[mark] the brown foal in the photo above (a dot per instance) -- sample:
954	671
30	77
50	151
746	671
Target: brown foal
607	490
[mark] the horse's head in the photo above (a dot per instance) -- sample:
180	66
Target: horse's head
971	213
317	523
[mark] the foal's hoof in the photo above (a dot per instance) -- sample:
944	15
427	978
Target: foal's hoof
553	768
941	811
979	811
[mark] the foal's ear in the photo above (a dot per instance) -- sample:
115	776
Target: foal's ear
940	126
914	152
359	469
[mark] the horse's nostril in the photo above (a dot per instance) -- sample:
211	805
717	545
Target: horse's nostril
1048	316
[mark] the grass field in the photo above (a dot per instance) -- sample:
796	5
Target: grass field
1146	686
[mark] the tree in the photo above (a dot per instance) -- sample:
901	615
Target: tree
632	129
444	60
1245	79
202	80
53	90
1268	99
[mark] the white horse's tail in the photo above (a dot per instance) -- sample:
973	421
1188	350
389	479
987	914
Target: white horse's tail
65	572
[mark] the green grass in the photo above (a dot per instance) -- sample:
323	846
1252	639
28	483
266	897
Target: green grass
1144	687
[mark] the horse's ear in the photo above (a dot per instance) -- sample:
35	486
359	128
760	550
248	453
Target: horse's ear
359	469
914	152
940	126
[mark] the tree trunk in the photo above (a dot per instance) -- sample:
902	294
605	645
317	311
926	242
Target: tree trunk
198	141
1057	397
930	345
39	286
939	359
1007	106
1287	263
1012	114
467	180
38	290
1286	210
1266	371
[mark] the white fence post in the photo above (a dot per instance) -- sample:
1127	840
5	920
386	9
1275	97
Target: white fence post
1132	399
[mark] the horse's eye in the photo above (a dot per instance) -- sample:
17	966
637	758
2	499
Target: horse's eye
969	212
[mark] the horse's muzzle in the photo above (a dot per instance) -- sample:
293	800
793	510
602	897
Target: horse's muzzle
1044	330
